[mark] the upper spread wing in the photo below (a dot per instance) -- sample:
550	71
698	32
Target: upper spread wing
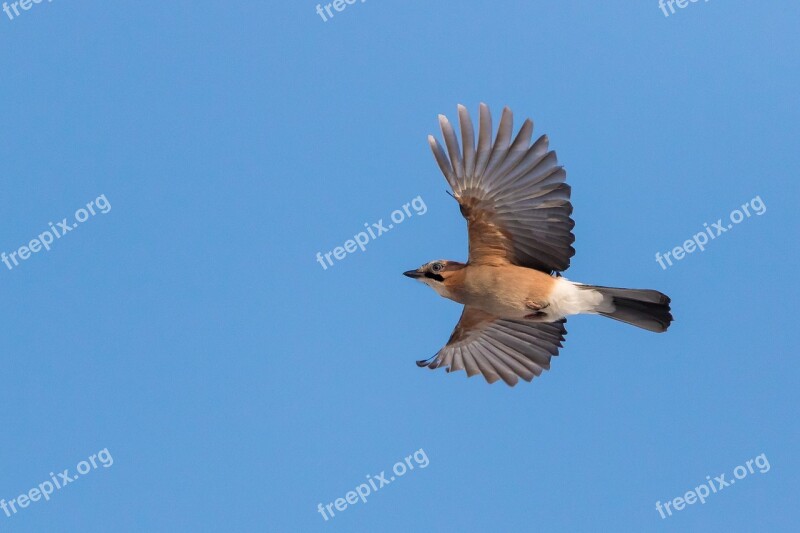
499	348
512	193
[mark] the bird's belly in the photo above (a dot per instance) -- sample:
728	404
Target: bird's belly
502	306
514	293
563	299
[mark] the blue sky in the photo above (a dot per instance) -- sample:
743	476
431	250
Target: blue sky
190	332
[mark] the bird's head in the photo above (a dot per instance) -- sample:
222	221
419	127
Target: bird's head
440	275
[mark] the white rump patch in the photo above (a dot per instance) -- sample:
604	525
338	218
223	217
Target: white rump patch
569	298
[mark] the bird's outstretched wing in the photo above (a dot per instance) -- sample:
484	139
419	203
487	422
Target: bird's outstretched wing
499	348
513	194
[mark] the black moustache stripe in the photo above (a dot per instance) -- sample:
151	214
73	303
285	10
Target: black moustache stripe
437	277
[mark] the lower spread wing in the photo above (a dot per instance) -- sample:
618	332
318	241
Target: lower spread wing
499	348
513	194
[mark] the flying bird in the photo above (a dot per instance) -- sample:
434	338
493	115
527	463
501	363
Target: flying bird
516	201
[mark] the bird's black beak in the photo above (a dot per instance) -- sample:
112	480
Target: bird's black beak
413	274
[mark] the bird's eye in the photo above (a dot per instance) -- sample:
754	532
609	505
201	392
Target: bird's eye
436	268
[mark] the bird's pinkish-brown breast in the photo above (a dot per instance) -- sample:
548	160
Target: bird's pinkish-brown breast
504	290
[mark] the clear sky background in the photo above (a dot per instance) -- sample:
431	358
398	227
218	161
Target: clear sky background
237	384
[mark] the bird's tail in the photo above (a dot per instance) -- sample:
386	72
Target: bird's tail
644	308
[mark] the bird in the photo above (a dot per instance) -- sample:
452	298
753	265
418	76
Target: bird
515	199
